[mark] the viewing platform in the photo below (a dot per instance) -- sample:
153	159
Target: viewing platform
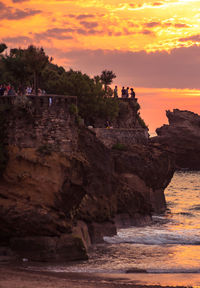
48	121
52	99
43	100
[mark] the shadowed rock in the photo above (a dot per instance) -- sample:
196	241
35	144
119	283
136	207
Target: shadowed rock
182	137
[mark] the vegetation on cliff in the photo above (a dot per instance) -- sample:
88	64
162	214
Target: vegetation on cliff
32	67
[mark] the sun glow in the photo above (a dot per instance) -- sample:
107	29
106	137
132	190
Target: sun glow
95	34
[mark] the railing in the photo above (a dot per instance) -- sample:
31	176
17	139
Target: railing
43	100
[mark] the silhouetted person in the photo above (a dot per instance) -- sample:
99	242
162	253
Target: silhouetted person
123	92
11	91
115	92
107	124
132	93
127	92
2	90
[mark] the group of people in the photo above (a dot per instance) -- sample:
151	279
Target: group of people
124	93
29	90
8	90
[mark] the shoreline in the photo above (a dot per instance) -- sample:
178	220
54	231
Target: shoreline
16	276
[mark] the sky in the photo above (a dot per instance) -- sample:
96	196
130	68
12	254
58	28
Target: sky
152	46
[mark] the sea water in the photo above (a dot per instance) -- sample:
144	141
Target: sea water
171	244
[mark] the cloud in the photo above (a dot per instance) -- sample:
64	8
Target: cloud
19	14
181	25
18	39
84	16
2	5
179	69
157	3
194	38
89	25
7	12
152	24
17	1
66	33
166	24
147	32
57	33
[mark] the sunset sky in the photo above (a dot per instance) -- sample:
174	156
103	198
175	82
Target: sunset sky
153	46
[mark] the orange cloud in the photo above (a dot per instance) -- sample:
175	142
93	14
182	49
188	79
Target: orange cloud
147	43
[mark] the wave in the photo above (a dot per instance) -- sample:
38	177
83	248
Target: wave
186	214
152	236
174	271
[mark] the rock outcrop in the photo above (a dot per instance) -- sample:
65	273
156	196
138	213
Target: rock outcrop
128	116
54	204
181	137
43	198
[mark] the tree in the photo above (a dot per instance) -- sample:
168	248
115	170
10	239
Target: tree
36	60
2	47
23	67
14	68
107	77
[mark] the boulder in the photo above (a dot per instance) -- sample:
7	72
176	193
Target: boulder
181	137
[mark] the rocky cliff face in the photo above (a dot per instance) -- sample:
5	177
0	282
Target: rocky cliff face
182	137
128	116
54	204
44	198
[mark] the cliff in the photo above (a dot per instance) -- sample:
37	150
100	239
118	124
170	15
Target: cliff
128	116
55	201
182	137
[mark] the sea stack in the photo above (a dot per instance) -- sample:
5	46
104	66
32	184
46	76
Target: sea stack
182	138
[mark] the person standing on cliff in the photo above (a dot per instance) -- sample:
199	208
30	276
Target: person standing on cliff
115	92
123	92
2	90
127	92
132	93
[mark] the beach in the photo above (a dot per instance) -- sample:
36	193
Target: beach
16	276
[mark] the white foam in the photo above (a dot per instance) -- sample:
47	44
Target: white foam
153	236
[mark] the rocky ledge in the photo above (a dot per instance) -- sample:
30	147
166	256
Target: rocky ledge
181	137
53	206
62	188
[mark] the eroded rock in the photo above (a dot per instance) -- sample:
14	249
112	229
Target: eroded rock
182	137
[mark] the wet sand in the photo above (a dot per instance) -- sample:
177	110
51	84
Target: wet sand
12	276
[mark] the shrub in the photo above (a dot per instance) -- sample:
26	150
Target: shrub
73	109
119	146
22	102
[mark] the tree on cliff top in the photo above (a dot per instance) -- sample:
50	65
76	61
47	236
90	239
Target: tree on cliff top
107	77
36	60
23	67
2	47
14	67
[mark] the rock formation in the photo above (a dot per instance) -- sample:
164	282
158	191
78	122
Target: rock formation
182	137
53	203
128	116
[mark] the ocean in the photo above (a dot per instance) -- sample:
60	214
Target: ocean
170	245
